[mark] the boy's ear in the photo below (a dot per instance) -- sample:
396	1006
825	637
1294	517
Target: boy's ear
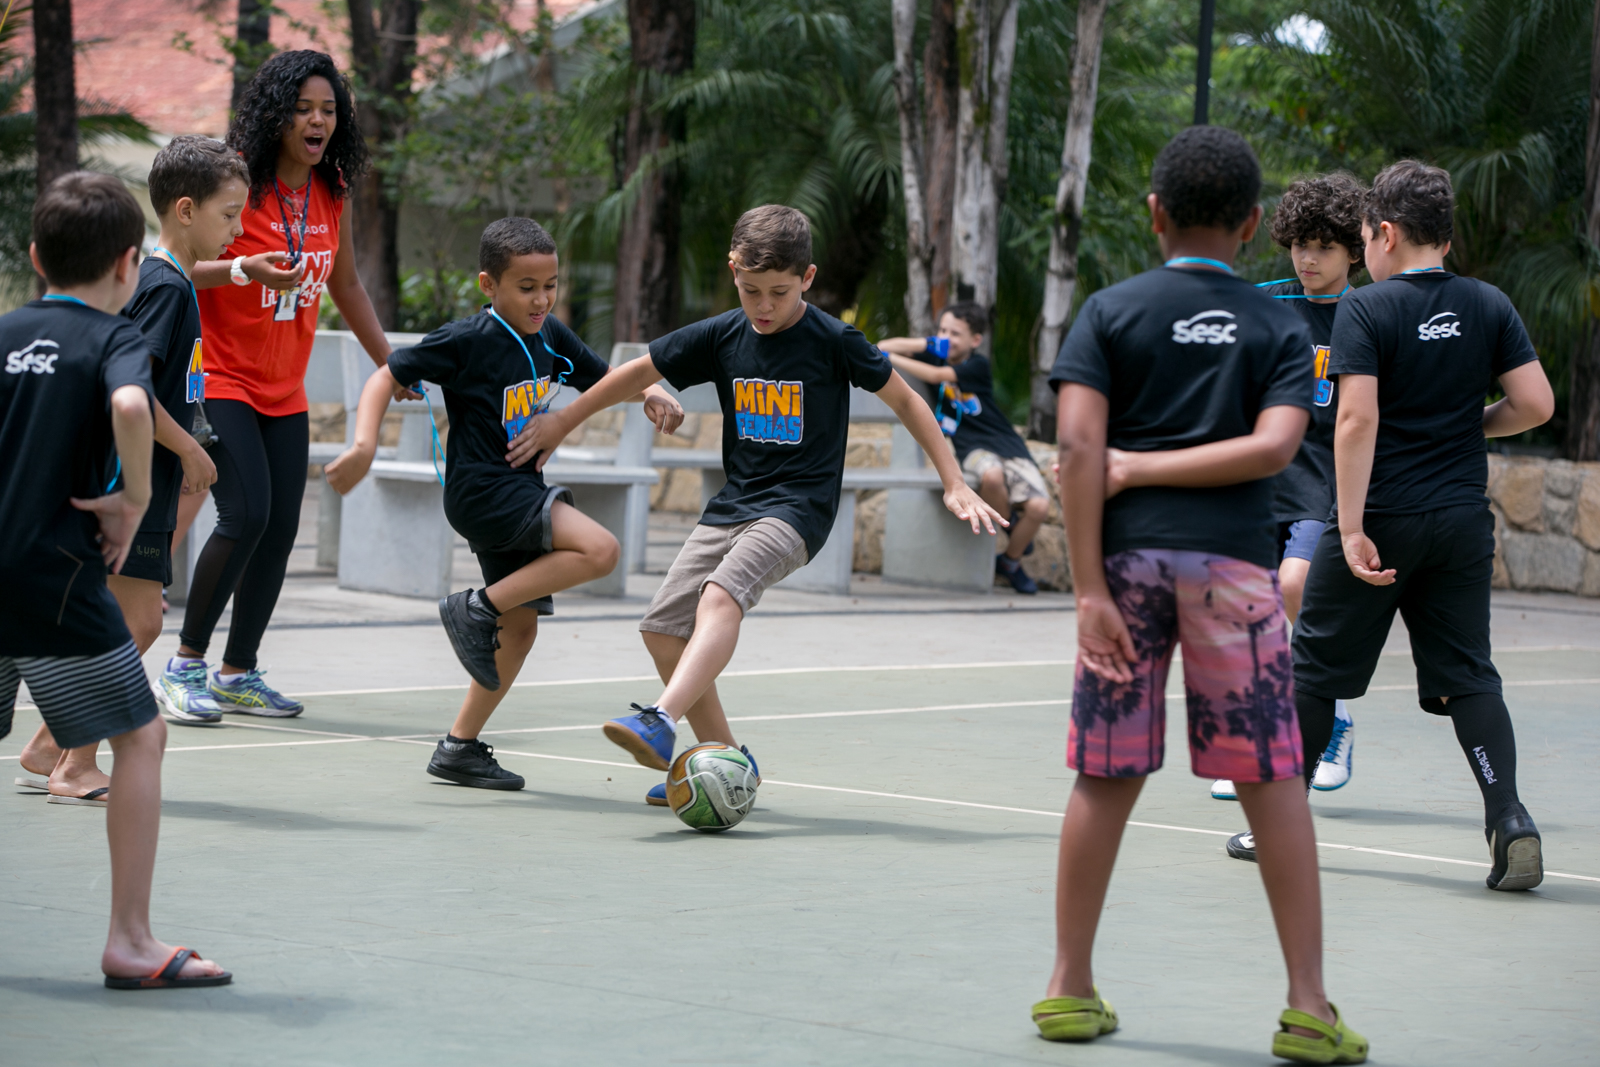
183	210
33	257
127	263
808	277
486	284
1251	224
1159	221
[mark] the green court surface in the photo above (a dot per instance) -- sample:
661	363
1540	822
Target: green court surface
889	901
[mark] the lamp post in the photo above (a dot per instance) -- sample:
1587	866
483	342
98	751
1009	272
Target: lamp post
1202	66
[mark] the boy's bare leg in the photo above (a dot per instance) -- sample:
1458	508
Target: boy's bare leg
1020	536
706	715
518	628
992	487
1286	851
133	823
1091	833
582	550
706	655
1292	581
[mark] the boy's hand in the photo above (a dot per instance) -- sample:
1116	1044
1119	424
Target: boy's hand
263	267
119	521
1105	647
964	502
538	438
405	392
664	411
1362	557
1119	466
199	473
344	473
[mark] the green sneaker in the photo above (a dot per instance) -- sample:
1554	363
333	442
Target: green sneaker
1074	1018
1333	1044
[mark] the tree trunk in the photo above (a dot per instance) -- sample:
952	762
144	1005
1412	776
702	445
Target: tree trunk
941	81
1583	399
987	38
661	38
1061	280
384	57
55	91
919	253
252	46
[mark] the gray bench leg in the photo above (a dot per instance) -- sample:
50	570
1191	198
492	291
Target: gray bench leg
924	544
830	571
399	541
711	483
607	505
205	521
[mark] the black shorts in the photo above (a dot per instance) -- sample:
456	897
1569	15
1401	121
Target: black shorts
534	538
1443	561
83	699
150	557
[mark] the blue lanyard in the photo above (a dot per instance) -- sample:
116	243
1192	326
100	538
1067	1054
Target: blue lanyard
65	299
561	379
1424	270
170	258
1184	261
303	214
1303	296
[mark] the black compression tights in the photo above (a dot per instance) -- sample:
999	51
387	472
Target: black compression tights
261	478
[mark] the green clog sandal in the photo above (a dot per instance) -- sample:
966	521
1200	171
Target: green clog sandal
1074	1018
1334	1044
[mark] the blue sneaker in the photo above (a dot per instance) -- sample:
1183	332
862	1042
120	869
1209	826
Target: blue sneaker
647	735
247	694
1011	570
1334	770
181	690
657	796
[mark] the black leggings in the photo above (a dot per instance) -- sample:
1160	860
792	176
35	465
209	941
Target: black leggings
261	479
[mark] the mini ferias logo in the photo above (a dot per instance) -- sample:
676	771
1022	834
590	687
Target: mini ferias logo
1207	328
768	411
521	402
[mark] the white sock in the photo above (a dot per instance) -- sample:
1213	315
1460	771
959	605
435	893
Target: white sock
1340	711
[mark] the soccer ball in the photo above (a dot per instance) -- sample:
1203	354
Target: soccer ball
711	787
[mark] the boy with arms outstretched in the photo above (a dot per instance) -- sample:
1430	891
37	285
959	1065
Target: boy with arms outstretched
783	372
985	443
1182	391
497	369
76	391
1415	354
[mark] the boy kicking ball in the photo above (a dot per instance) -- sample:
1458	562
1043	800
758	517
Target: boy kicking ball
1181	393
783	372
497	369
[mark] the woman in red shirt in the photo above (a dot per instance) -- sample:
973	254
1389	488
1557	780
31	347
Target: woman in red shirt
296	130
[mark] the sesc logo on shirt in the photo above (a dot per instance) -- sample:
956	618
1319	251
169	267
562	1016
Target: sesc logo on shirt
34	357
1434	330
768	411
521	402
1206	328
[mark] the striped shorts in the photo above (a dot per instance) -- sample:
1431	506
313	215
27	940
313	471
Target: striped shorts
83	699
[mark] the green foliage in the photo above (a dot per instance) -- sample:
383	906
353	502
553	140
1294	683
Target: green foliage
431	298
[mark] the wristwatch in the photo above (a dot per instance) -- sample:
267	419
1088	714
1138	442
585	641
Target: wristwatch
236	273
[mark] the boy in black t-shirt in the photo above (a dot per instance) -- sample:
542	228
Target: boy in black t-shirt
74	395
498	369
1414	355
783	372
1182	392
985	443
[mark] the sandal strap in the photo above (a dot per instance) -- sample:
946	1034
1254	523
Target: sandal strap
1067	1005
1291	1017
175	962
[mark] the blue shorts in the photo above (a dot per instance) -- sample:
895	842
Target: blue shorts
1299	539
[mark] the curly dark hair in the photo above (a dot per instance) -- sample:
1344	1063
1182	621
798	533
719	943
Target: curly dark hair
1207	176
267	109
1417	198
1326	209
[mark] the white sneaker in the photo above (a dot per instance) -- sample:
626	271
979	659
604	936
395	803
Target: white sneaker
1334	770
1222	789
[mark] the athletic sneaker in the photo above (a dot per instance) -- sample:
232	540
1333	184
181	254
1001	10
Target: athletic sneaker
247	694
474	632
1516	850
1243	846
648	735
657	796
182	691
471	763
1334	770
1222	789
1011	570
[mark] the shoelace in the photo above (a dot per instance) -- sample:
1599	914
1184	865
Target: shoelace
193	677
643	711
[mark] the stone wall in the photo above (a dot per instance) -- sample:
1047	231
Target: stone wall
1547	524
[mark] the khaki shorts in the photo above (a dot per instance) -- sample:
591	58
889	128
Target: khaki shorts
744	559
1024	482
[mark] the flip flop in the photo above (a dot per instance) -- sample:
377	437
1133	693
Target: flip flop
33	781
94	798
166	975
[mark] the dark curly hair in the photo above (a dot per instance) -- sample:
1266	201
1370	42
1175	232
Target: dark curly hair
1326	209
267	109
1207	176
1415	197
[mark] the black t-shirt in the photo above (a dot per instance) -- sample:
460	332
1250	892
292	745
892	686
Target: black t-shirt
1305	488
785	411
1436	343
968	404
1185	358
62	362
164	306
490	394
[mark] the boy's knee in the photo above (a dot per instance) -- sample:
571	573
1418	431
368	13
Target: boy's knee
715	599
992	480
1037	507
147	740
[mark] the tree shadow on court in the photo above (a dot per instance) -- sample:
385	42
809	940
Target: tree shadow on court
215	811
291	1010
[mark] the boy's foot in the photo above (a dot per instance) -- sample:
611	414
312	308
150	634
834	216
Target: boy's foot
1074	1018
183	692
647	734
1011	570
1516	850
1243	846
1222	789
247	694
471	762
657	796
1332	1044
1334	770
158	966
474	632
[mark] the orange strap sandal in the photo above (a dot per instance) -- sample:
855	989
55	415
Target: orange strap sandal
166	975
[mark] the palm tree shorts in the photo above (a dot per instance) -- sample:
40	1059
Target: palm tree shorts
1227	614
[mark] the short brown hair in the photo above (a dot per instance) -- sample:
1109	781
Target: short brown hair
1326	209
975	317
195	166
81	224
1415	197
505	239
771	237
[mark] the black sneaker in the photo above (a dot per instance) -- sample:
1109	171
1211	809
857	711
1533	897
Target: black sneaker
471	763
1517	851
474	633
1243	846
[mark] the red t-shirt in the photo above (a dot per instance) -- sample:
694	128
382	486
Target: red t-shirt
251	354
